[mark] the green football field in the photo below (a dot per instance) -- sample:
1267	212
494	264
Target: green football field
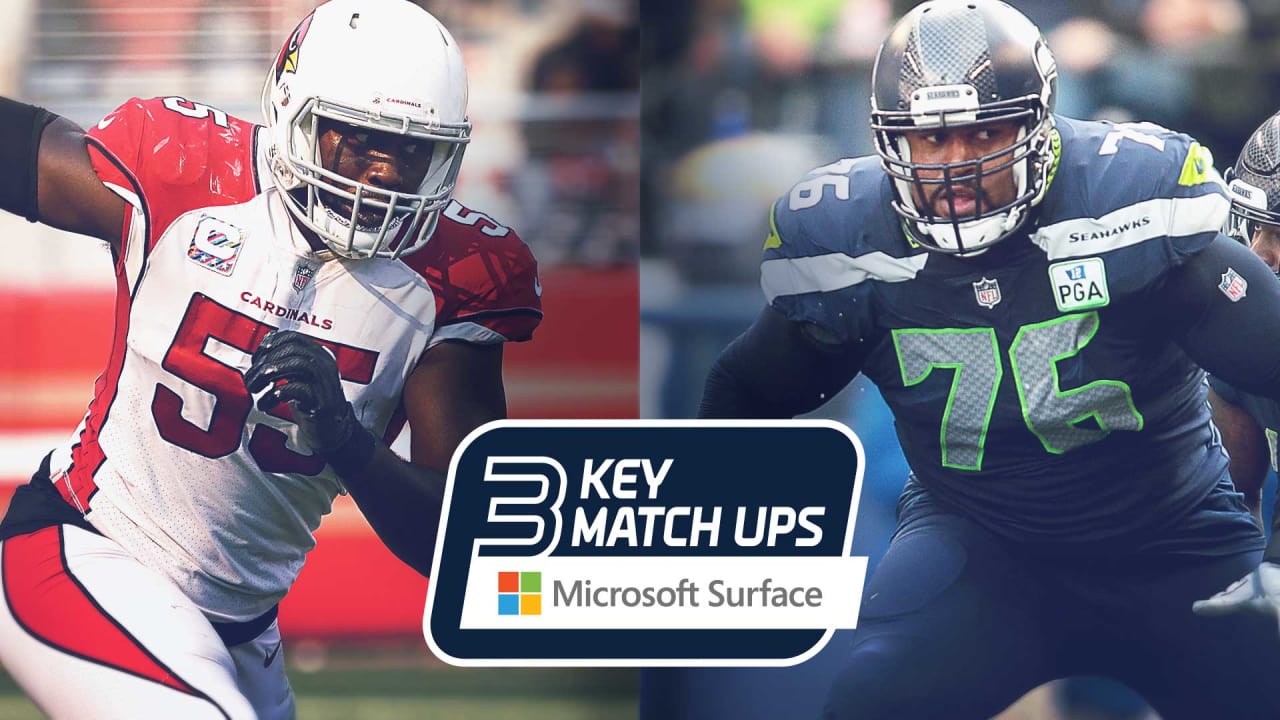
380	686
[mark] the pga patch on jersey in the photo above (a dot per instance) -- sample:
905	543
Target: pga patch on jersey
1079	284
216	245
644	543
1233	286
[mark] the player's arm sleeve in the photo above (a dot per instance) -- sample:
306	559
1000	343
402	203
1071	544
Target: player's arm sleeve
809	342
1233	335
48	175
1235	339
778	368
22	129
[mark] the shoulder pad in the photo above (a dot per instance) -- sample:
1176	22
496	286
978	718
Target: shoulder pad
1137	190
484	277
175	156
840	207
1136	161
835	229
832	235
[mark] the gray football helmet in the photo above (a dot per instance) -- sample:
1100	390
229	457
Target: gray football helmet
954	63
1254	183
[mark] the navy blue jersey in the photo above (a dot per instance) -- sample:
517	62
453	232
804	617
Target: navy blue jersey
1034	387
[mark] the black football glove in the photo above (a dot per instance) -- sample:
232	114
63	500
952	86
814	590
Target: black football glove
295	369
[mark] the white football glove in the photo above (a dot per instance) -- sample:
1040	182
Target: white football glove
1257	592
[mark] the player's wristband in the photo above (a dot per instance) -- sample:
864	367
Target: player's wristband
21	127
353	455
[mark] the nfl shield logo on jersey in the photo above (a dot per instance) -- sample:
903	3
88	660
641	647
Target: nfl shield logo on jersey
1232	285
302	274
987	292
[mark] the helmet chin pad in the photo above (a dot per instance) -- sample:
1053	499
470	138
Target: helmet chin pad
969	238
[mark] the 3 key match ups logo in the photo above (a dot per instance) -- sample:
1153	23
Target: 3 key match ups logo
667	542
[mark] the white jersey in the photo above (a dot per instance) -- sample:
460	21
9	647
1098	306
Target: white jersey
172	460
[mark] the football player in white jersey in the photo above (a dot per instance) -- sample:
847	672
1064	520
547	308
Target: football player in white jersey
288	296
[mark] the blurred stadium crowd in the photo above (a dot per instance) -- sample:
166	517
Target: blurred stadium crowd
727	81
740	98
553	93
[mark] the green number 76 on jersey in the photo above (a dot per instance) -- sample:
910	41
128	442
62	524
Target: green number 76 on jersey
974	358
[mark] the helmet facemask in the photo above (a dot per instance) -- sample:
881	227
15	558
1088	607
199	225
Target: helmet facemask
404	220
1248	209
917	184
1253	207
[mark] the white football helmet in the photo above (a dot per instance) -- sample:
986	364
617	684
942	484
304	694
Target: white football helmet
386	66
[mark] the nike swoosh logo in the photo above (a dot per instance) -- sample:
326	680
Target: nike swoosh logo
271	656
105	123
537	286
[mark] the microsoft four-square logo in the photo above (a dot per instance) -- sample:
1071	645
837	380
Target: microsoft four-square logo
519	593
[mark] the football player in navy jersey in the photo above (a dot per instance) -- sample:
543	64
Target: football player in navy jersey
1035	297
1249	421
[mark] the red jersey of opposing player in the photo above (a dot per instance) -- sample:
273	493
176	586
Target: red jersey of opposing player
172	460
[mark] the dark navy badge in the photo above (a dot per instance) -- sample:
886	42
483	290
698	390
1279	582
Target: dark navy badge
642	543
